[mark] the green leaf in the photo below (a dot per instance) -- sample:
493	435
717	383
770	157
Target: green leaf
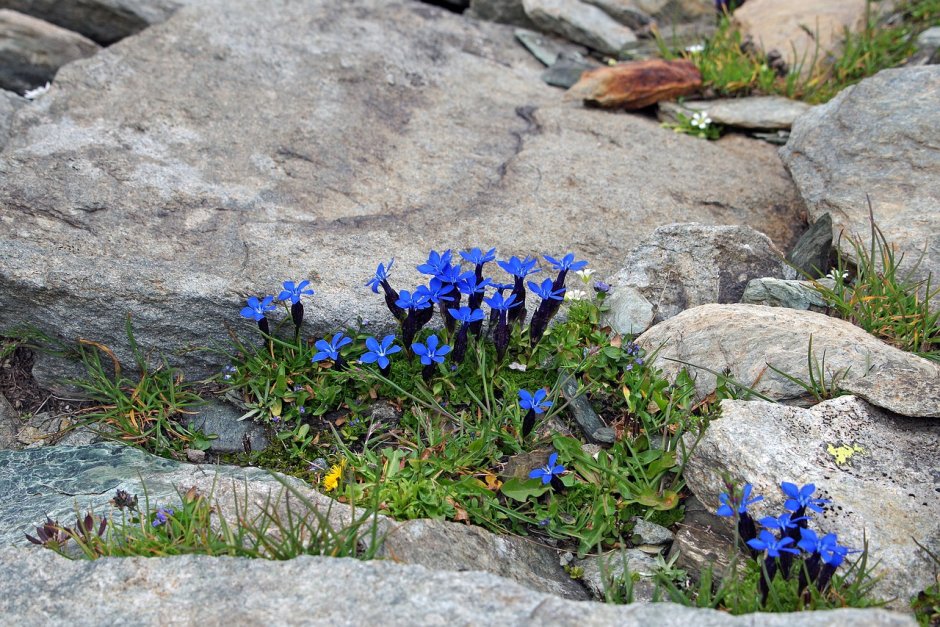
520	490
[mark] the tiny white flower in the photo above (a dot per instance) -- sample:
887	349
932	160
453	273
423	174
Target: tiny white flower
695	48
517	366
701	120
585	275
575	295
32	94
835	274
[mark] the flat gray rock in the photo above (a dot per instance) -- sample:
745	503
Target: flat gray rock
879	138
685	265
503	11
38	588
54	481
103	21
628	310
381	130
790	293
547	48
580	22
745	340
878	470
32	51
753	113
9	103
627	12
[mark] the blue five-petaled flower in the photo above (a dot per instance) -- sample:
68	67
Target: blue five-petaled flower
767	541
381	274
466	315
430	352
256	309
545	473
566	263
477	256
379	352
436	263
730	505
519	268
293	292
536	402
545	291
330	350
798	498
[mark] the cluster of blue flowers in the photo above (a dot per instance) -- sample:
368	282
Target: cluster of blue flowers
786	536
161	516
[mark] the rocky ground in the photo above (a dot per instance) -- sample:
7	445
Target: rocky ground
186	155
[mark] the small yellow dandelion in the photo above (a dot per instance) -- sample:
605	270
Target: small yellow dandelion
331	480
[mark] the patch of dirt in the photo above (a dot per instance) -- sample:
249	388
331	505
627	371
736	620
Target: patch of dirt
21	390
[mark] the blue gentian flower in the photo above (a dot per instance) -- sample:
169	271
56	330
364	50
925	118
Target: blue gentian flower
381	275
436	262
545	473
435	292
449	274
379	352
566	263
546	290
477	257
467	315
730	505
413	300
431	351
799	499
784	522
256	309
519	268
766	541
293	292
537	402
470	285
330	350
498	303
161	515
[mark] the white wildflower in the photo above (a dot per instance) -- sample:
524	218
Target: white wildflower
701	120
575	295
585	275
32	94
835	275
695	48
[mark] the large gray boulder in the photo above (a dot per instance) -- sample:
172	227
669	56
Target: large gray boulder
685	265
745	340
879	471
9	103
38	588
879	138
32	51
55	481
103	21
315	141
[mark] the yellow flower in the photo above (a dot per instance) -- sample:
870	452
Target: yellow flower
331	480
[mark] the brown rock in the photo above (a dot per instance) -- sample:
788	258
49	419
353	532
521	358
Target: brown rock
637	84
801	30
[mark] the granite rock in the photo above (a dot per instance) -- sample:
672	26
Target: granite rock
580	22
9	103
628	310
812	253
877	469
503	11
785	293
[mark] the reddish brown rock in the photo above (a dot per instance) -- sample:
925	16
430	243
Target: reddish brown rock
637	84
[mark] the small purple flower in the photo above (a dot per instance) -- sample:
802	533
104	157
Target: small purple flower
302	410
729	505
766	541
537	402
256	309
800	499
379	351
160	517
293	292
545	473
330	350
601	287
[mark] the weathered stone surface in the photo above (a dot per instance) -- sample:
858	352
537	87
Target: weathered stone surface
627	12
133	187
9	103
222	420
601	571
878	470
32	51
930	38
812	252
800	30
38	588
700	548
547	48
746	339
54	481
879	138
637	84
756	112
104	21
504	11
9	424
580	22
684	265
629	312
565	72
646	532
785	293
592	426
